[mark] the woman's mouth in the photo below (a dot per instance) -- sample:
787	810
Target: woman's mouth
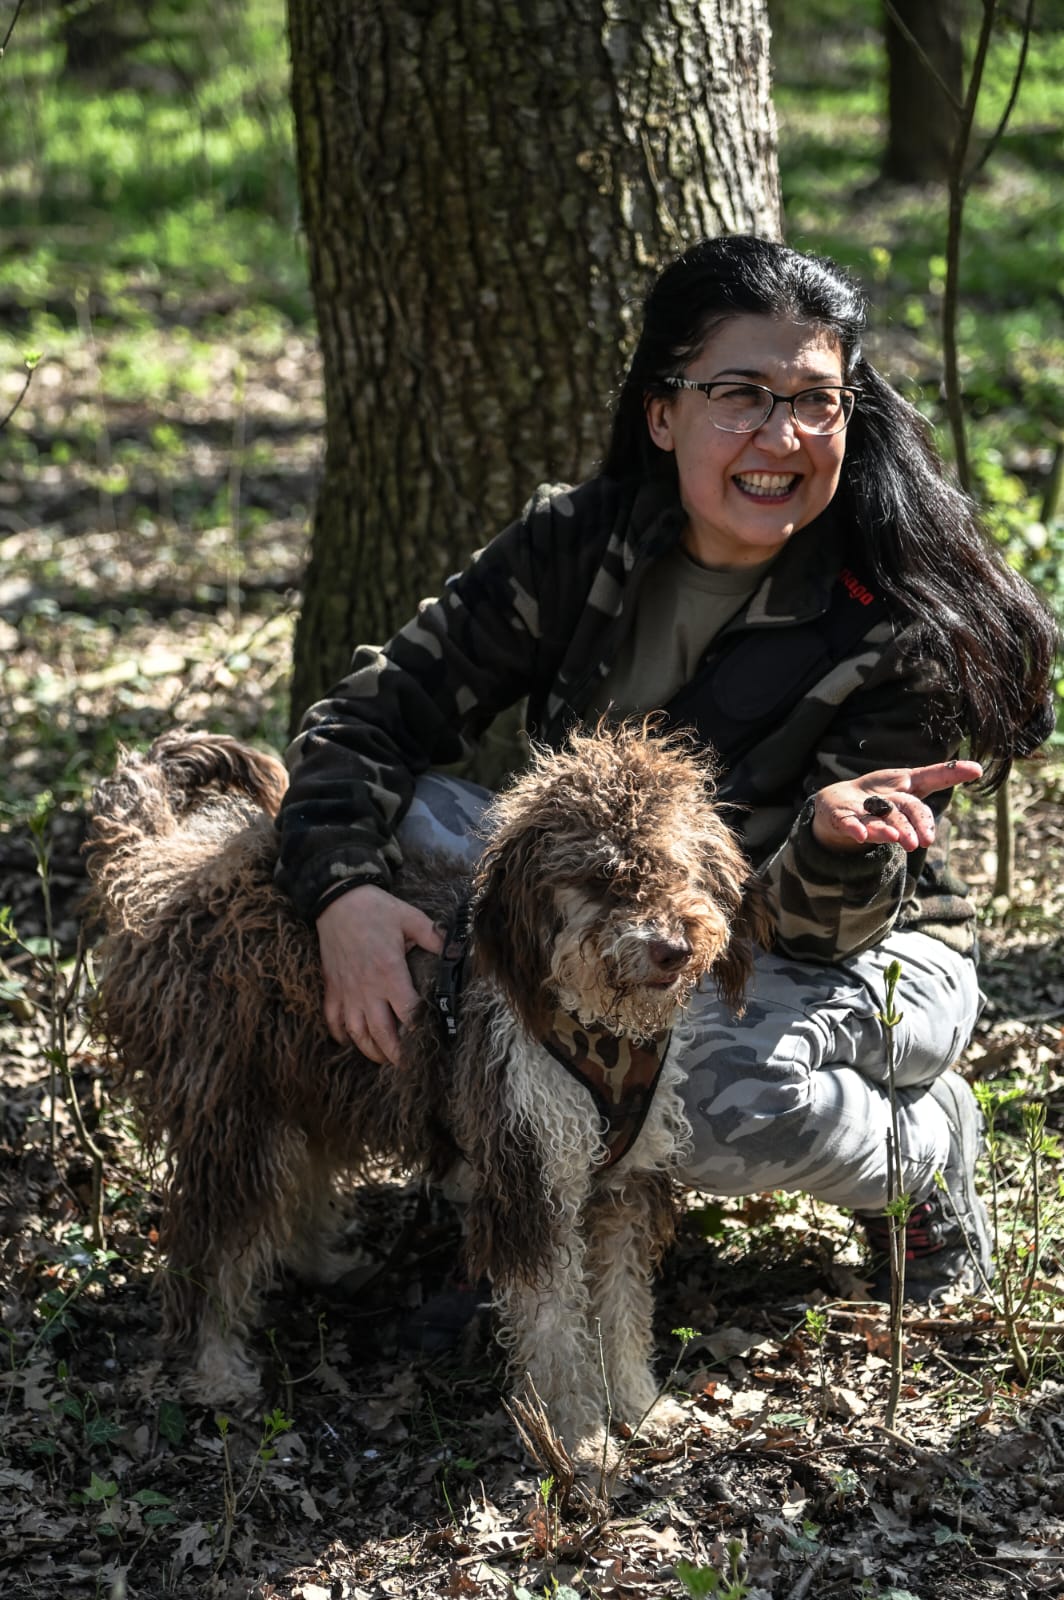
766	485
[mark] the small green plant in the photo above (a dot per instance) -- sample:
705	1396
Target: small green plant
237	1498
1017	1243
701	1582
805	1540
816	1326
844	1481
62	991
899	1204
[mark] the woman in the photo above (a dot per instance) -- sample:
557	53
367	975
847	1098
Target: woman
772	555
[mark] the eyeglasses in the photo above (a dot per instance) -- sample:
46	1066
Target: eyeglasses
745	407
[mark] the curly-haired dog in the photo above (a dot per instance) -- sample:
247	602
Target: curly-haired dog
609	886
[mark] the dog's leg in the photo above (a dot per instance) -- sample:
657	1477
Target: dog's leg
546	1326
312	1251
225	1227
629	1225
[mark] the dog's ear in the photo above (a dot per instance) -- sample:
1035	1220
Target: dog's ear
513	922
752	927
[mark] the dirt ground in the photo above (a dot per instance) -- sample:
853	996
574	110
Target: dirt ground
371	1469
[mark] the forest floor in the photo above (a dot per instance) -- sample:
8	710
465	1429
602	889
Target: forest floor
128	603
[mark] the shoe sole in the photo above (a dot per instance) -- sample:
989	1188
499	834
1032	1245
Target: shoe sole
952	1093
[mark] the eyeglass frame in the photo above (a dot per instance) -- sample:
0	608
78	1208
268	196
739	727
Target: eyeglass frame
706	386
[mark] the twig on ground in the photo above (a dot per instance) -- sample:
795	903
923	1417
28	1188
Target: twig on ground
932	1458
537	1434
812	1571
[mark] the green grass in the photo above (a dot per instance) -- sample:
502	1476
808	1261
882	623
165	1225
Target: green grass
182	186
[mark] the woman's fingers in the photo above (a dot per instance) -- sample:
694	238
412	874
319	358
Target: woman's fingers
364	938
940	775
886	807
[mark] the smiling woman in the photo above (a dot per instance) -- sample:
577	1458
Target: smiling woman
771	557
747	489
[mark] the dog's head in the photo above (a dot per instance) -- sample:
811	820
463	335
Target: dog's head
610	885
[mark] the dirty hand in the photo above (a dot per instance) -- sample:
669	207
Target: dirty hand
364	938
885	807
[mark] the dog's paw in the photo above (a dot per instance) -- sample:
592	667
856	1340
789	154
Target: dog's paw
223	1376
594	1453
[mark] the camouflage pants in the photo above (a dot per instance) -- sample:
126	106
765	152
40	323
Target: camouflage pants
793	1095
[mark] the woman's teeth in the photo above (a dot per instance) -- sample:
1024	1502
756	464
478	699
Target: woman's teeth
766	483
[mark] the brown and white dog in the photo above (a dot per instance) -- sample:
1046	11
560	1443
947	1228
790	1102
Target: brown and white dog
608	888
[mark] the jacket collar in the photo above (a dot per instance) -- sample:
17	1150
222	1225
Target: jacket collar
798	586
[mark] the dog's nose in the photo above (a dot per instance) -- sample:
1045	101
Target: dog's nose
669	954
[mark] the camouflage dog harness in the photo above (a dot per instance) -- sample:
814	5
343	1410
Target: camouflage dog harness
619	1074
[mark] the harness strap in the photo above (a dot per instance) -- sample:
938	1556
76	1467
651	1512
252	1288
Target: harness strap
620	1075
450	973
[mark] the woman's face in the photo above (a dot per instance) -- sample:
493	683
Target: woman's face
746	493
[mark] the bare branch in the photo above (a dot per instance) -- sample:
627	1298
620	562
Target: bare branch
7	40
909	36
31	368
1010	105
957	191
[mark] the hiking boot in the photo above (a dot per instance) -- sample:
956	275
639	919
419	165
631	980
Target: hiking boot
948	1232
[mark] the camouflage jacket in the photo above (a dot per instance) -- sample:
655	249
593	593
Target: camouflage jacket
541	612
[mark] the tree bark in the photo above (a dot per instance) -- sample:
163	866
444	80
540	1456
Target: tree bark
487	187
922	120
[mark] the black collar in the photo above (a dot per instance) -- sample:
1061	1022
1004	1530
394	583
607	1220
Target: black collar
450	974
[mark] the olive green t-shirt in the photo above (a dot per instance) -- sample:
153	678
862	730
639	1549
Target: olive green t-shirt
680	608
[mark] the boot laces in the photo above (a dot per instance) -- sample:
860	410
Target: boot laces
923	1236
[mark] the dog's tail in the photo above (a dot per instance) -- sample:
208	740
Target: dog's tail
196	766
149	795
184	771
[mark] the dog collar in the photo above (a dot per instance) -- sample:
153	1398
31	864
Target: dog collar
619	1074
450	973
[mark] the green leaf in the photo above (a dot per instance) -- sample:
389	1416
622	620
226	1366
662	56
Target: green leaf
150	1497
171	1422
101	1489
100	1430
159	1519
700	1582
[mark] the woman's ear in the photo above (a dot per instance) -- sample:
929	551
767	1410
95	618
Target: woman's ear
658	411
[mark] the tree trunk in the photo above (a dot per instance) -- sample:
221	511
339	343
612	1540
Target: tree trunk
922	121
486	187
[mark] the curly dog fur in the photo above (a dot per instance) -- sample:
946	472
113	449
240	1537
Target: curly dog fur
609	886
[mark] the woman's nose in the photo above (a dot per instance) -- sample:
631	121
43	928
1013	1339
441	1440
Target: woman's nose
779	431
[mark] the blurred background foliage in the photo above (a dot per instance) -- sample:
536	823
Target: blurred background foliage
152	255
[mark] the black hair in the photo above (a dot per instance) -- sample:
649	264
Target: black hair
920	537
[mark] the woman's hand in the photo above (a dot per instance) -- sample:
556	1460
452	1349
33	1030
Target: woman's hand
364	938
885	807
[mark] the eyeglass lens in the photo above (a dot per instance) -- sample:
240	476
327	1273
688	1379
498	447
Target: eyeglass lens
744	407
